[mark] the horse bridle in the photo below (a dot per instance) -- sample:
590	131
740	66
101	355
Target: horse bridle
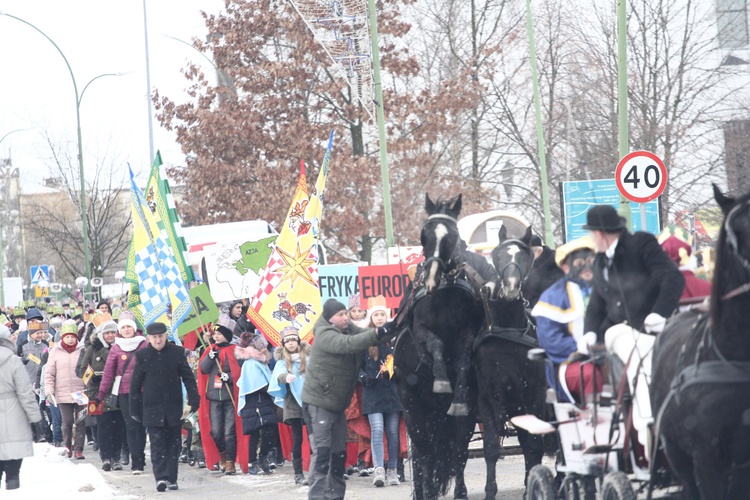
733	246
524	275
453	265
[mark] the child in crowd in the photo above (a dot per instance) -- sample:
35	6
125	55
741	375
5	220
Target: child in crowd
219	370
256	406
380	402
356	314
287	380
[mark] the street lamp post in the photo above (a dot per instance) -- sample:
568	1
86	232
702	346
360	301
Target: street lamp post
84	212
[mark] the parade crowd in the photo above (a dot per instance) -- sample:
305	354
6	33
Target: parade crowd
75	375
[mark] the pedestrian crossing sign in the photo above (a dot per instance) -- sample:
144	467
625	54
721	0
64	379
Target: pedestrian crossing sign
39	274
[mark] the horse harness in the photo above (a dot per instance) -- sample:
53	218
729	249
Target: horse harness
704	371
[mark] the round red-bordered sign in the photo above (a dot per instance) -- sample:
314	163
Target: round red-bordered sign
641	176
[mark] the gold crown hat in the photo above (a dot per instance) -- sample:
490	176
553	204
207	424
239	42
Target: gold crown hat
583	243
69	327
377	303
103	322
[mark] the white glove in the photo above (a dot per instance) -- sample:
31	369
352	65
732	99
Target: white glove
224	377
290	378
212	354
654	323
585	341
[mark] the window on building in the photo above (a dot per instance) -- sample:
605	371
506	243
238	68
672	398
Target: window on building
732	23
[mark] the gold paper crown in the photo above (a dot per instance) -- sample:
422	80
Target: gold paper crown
376	301
101	318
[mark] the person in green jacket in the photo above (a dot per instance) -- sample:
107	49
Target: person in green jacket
329	385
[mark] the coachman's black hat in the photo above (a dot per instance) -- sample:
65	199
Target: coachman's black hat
604	218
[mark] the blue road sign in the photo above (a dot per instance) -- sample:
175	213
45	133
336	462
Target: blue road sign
579	196
39	273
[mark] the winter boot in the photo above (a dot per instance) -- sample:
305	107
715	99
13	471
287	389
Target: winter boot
200	459
191	458
299	475
254	469
183	455
222	460
125	456
265	466
107	465
229	468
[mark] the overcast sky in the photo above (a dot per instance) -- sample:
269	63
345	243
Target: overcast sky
36	89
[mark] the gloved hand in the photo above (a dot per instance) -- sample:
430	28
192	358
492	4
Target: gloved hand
290	377
37	431
224	377
386	331
585	341
654	323
212	353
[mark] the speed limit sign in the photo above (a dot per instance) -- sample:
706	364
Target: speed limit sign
641	176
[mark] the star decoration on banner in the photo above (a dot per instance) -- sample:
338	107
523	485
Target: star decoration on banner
296	266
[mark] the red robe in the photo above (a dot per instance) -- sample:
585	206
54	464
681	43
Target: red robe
204	413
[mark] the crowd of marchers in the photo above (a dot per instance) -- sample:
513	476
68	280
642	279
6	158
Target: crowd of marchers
89	376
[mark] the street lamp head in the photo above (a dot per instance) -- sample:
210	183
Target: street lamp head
120	275
81	282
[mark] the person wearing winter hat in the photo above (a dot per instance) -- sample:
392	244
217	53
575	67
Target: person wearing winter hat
678	248
33	348
60	382
255	405
355	312
110	426
286	384
33	317
18	409
119	370
218	373
161	370
331	377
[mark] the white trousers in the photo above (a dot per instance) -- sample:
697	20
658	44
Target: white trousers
622	341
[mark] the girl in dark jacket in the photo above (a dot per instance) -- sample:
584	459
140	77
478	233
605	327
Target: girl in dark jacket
380	403
110	425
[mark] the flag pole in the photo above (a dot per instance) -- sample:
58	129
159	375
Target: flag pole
380	114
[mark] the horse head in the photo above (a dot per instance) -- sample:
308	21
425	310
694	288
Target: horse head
733	250
512	259
440	240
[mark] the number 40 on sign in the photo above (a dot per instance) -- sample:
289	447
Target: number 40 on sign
641	176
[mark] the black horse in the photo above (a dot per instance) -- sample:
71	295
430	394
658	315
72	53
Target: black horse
433	359
701	374
509	384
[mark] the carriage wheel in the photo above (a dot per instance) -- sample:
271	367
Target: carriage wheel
581	488
540	485
616	486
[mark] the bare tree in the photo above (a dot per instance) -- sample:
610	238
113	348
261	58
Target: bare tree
52	221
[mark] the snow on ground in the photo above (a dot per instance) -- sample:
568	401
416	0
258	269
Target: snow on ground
50	471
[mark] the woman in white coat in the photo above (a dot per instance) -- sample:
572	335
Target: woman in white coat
18	408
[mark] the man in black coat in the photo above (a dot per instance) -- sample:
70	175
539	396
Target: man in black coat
544	272
635	282
636	287
156	400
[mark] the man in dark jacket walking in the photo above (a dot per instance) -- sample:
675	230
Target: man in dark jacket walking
156	400
329	384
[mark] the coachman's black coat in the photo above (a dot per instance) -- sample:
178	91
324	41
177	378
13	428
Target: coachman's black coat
155	390
642	280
